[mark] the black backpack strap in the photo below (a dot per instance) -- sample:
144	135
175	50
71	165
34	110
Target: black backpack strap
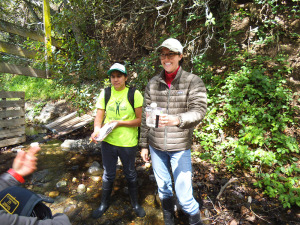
131	92
130	96
107	94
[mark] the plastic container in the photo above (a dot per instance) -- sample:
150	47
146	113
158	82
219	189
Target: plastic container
152	115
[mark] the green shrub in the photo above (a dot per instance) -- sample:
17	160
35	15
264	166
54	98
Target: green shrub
249	111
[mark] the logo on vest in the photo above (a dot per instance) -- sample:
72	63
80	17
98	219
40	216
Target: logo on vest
9	204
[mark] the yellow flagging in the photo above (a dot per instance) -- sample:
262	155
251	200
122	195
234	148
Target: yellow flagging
47	27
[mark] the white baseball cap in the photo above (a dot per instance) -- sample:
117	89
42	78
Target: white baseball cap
172	44
117	66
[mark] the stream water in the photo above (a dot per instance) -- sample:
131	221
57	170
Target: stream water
60	175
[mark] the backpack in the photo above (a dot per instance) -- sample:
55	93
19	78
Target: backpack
130	97
23	202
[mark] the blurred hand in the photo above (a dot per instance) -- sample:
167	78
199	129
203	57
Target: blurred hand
145	154
25	162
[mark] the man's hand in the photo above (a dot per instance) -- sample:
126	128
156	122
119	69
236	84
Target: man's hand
145	154
25	162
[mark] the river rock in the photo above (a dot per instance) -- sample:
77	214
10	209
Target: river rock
81	188
80	144
42	176
53	194
61	183
50	111
69	209
94	169
46	114
17	149
96	178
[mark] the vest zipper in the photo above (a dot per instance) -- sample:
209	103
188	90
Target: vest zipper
167	109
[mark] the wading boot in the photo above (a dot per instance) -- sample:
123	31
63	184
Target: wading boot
195	219
106	192
168	210
133	193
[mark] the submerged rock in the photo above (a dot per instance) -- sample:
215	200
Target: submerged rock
81	188
53	194
95	169
80	144
61	183
42	176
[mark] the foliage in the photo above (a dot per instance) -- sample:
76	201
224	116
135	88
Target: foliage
35	88
250	113
83	97
38	107
246	126
144	70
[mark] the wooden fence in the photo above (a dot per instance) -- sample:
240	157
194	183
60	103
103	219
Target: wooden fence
12	118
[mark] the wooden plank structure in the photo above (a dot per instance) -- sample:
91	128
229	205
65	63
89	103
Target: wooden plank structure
21	70
17	50
21	31
69	123
12	118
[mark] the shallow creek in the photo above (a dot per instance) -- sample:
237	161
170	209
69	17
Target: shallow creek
60	175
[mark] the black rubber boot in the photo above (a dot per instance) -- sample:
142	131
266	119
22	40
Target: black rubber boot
133	193
168	210
106	192
195	219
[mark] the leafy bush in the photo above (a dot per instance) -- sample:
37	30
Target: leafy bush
248	115
249	109
35	88
144	70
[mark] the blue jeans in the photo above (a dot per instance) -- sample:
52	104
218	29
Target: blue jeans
181	165
110	154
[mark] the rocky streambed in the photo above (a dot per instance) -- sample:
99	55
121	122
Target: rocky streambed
70	172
